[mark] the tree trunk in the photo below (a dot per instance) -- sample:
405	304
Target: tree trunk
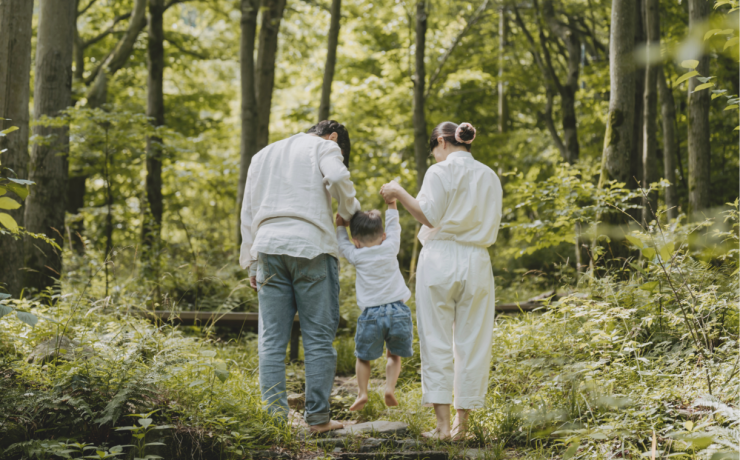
15	70
151	228
98	91
421	149
618	140
249	8
698	111
45	205
650	110
634	180
670	144
568	96
331	60
503	108
75	202
272	15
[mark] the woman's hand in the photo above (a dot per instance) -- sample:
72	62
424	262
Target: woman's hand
391	191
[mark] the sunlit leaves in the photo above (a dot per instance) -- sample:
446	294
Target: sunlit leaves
685	77
8	222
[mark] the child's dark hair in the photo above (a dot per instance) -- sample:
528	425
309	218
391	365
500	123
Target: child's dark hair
326	127
447	129
366	225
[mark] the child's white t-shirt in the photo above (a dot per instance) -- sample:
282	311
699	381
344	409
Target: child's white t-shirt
379	280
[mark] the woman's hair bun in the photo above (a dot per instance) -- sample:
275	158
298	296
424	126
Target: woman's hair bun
465	133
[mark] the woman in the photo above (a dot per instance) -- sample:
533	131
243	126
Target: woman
459	206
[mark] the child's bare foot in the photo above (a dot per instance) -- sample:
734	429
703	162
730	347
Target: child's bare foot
390	399
437	434
359	403
331	425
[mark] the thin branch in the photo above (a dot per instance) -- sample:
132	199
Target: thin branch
470	23
108	31
184	50
84	10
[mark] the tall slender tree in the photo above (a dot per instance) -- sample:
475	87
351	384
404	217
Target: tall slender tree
155	109
503	108
45	205
420	122
272	15
670	143
249	10
698	112
15	70
331	61
650	108
635	178
618	140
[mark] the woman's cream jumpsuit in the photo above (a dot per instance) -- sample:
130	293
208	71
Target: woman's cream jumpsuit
455	298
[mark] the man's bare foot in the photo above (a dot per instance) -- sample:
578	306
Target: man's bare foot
359	403
331	425
437	434
390	399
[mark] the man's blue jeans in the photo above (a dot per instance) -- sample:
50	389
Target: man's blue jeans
309	287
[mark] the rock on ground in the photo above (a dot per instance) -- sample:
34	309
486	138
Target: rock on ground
379	427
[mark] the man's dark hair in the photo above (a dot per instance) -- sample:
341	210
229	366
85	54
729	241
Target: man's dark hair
326	127
366	225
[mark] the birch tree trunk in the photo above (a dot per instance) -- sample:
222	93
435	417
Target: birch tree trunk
249	10
670	144
45	205
152	221
15	71
421	150
618	140
272	15
698	114
650	111
503	108
331	61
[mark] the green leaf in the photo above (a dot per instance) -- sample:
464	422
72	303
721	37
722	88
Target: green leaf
666	252
5	310
222	374
702	86
20	190
649	253
8	203
731	107
9	130
690	64
726	455
571	451
155	444
711	33
145	422
598	435
27	318
685	77
731	42
208	353
196	382
21	181
689	425
4	296
8	222
649	286
635	241
3	190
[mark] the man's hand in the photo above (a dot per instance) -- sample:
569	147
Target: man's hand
253	282
341	222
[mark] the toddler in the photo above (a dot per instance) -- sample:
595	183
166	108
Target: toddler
381	293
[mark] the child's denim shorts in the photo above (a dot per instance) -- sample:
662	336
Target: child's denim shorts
389	323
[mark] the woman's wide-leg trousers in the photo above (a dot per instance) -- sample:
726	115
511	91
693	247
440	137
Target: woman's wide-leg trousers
455	310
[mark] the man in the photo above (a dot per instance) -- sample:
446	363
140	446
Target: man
290	246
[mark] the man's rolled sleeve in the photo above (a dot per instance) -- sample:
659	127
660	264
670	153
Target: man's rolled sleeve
338	183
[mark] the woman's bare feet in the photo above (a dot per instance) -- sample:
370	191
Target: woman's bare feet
390	399
331	425
437	434
359	403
